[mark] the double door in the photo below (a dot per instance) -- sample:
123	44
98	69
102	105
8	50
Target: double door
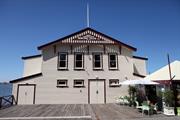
97	91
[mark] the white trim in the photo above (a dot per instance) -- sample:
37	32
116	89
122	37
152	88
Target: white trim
116	60
101	61
82	67
66	61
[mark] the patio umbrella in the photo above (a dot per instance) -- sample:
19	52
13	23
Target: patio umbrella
138	82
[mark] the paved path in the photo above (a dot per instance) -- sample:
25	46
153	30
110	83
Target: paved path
77	112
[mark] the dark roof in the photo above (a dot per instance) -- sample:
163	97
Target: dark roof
137	57
142	76
25	78
128	46
33	56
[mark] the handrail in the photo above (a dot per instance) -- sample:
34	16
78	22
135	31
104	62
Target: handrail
7	101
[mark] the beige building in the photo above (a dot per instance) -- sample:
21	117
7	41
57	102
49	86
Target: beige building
163	73
82	68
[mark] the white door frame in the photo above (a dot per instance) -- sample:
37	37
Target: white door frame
89	80
26	85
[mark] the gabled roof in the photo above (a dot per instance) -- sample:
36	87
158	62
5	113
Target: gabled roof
163	73
91	30
25	78
32	56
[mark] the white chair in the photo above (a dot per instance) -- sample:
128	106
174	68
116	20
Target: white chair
146	108
138	106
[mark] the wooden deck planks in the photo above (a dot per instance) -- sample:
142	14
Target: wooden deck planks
96	111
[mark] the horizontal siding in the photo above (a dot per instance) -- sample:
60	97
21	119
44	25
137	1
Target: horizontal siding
48	93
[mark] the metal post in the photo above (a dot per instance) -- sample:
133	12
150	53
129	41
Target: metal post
172	86
0	102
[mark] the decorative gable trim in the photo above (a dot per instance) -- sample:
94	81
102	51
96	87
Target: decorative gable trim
87	36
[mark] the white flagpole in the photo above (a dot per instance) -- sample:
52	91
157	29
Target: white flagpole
87	15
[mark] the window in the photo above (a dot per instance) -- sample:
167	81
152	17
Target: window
78	83
114	83
113	61
79	61
97	61
62	83
63	60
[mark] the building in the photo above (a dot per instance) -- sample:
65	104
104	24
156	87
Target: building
162	76
82	68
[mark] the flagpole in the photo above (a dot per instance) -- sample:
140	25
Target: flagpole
87	15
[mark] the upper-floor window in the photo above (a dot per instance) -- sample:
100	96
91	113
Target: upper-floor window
63	61
79	61
113	64
97	61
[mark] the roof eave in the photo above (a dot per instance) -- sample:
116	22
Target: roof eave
32	56
27	77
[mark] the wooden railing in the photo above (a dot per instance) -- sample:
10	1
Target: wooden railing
7	101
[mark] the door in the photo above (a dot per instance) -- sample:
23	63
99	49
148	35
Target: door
26	94
96	91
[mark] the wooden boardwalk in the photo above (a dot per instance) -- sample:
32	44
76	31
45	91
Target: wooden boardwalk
71	112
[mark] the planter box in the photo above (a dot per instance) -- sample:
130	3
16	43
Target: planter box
169	111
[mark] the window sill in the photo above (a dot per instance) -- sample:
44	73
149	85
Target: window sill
79	69
98	69
114	69
79	86
62	86
60	69
114	86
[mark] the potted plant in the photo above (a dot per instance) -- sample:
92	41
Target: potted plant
169	102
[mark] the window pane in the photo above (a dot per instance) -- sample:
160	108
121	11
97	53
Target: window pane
97	64
97	57
78	56
62	82
62	56
79	82
112	57
112	63
78	63
62	64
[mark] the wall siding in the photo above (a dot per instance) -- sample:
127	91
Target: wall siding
47	91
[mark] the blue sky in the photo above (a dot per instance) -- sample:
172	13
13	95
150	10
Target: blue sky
152	26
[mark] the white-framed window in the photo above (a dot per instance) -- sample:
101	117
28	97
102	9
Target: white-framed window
114	83
78	61
78	83
63	61
97	61
62	83
113	61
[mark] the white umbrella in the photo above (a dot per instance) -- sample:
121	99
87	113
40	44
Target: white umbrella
138	82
